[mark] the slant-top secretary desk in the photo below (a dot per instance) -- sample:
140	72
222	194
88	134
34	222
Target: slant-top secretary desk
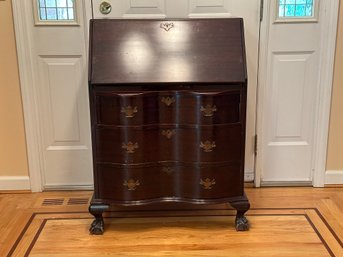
168	108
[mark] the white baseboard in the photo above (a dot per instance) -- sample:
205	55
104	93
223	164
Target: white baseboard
14	183
334	177
249	176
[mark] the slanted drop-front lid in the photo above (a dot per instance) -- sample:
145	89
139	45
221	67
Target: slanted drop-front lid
167	51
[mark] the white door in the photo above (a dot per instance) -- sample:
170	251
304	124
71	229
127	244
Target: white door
56	44
292	54
52	45
249	10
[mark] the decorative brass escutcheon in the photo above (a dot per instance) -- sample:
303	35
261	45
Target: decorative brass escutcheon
129	111
168	100
168	170
130	147
168	133
105	7
207	183
166	25
131	184
208	110
208	146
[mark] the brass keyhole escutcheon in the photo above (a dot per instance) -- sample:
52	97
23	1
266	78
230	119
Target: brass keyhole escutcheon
131	184
168	170
207	183
208	146
105	7
168	133
166	25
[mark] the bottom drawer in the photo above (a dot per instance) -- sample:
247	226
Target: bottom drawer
169	181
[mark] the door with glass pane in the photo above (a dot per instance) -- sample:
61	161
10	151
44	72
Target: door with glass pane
290	92
249	10
58	30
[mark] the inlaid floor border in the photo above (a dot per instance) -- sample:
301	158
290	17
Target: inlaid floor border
44	221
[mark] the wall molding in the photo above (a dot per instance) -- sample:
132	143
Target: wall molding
26	65
333	177
15	183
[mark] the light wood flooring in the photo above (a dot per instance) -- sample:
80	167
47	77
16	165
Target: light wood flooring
284	222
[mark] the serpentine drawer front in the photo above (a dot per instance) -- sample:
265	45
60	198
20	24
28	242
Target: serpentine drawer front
216	143
205	108
187	182
169	125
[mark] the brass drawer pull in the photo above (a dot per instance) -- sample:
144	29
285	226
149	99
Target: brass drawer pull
207	183
168	100
168	133
130	147
131	184
208	110
129	111
168	170
208	146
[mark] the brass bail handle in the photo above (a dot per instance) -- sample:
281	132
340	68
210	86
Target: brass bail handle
105	7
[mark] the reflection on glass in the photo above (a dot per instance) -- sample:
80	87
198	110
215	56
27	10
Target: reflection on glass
295	8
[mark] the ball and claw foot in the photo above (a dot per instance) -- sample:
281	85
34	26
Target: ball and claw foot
97	227
242	223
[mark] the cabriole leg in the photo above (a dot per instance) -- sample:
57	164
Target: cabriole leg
97	226
242	205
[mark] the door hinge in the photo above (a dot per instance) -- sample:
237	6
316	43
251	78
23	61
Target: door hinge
261	10
255	144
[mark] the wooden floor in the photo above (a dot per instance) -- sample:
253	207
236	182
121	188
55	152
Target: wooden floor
284	222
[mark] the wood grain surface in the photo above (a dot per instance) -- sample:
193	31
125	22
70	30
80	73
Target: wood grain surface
284	222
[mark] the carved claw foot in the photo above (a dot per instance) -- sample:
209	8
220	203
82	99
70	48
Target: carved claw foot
242	223
97	227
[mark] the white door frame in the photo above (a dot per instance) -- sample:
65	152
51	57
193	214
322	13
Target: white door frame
328	26
23	31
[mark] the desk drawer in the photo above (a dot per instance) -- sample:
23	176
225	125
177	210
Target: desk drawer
169	107
165	143
169	180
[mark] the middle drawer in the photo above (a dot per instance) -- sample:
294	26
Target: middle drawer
169	143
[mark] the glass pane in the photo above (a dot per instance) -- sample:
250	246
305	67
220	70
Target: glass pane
300	10
42	14
51	13
62	13
289	10
61	3
70	3
295	8
71	13
281	11
309	9
301	1
41	3
56	10
50	3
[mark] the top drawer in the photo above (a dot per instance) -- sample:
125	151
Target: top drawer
167	107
